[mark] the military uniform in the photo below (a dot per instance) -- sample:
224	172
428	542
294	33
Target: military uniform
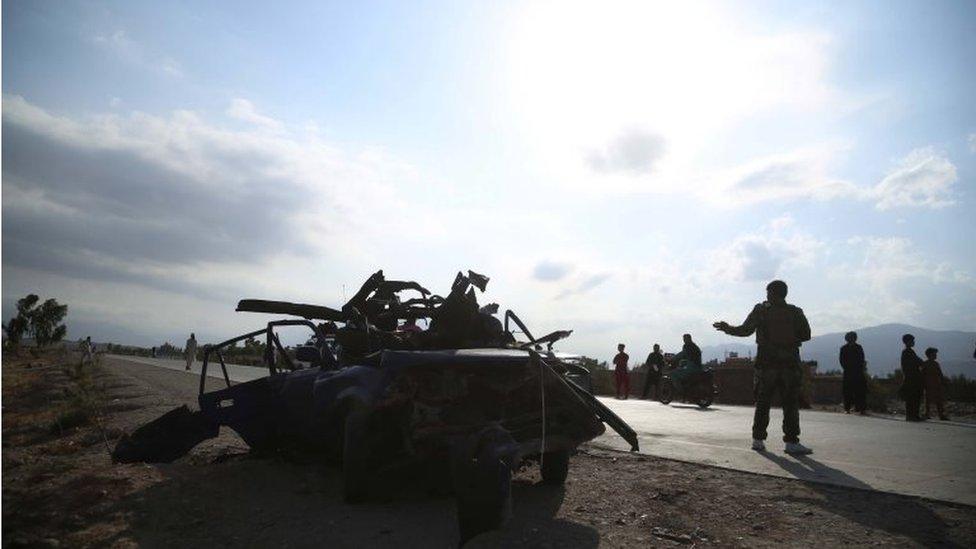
780	329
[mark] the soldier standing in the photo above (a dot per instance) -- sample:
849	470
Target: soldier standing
780	329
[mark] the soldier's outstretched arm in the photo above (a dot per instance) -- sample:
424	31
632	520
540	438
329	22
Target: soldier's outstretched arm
747	328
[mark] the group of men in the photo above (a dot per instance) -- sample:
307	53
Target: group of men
688	362
780	328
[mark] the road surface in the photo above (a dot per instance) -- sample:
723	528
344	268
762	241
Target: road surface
932	459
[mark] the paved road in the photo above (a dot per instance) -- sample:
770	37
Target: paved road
932	459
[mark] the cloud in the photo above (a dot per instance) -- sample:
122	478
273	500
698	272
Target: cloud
924	178
123	46
763	255
585	285
972	142
634	152
885	277
244	110
167	201
550	271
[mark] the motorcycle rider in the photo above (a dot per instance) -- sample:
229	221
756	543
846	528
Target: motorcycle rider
780	329
689	361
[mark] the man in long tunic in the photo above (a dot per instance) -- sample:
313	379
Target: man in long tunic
780	329
855	375
655	365
911	369
191	351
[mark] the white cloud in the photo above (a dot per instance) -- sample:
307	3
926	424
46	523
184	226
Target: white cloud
924	178
244	110
801	174
972	142
122	45
885	276
634	151
168	201
550	271
765	254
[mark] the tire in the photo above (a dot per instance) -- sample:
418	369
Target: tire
482	471
704	402
666	392
555	467
355	456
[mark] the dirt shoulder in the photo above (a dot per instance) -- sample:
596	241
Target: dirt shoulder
61	489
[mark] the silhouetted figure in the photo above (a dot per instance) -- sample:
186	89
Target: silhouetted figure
190	351
780	330
932	376
154	352
87	351
689	361
911	369
855	375
620	371
655	365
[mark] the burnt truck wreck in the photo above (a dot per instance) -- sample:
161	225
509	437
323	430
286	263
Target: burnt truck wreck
465	400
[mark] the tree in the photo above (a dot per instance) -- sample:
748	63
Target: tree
43	323
46	323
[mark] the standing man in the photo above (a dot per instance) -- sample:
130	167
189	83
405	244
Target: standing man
190	351
620	371
911	369
855	375
780	330
655	364
87	351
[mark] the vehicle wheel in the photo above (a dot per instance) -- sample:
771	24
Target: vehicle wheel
666	392
355	456
482	470
555	467
705	401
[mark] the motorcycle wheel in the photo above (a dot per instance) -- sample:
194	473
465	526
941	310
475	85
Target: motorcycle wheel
666	393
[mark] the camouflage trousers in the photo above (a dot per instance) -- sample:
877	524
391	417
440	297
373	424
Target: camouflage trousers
786	380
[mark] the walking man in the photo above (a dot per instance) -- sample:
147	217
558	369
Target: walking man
911	369
655	364
855	375
780	329
191	351
620	371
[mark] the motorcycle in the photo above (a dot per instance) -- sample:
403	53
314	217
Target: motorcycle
698	388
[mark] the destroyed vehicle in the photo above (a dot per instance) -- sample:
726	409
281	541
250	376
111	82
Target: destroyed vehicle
465	401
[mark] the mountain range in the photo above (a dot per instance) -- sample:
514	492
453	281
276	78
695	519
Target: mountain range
882	347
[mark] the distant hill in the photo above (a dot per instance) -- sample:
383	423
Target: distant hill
882	346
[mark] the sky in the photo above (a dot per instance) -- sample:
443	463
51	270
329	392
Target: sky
630	171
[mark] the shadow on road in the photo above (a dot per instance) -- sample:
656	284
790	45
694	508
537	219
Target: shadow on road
696	407
896	514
